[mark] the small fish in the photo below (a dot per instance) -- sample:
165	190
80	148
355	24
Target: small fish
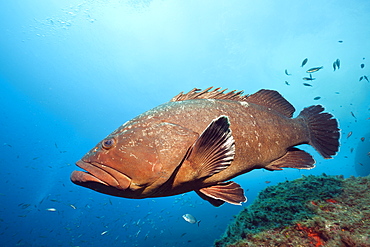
361	78
308	78
362	139
191	219
362	66
24	206
183	234
267	182
72	206
337	62
307	85
317	98
353	115
312	70
365	77
304	62
340	41
286	82
286	72
334	65
51	209
103	233
349	134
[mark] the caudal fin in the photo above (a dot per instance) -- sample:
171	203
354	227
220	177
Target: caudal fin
324	132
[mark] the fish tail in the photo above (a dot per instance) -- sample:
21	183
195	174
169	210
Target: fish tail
323	130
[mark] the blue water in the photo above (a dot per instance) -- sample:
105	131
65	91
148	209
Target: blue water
73	71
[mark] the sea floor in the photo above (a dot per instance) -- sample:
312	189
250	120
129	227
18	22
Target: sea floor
309	211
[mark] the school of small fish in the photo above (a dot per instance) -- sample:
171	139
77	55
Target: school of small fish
336	66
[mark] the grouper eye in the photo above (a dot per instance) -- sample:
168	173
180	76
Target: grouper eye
108	143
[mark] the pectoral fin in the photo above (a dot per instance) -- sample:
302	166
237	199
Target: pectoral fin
294	158
218	194
213	151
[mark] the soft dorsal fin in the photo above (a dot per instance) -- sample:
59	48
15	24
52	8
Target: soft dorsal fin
216	93
272	99
213	151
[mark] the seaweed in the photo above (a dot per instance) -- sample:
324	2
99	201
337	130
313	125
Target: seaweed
309	211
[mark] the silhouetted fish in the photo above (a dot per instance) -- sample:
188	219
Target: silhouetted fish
309	78
202	139
349	134
337	62
304	62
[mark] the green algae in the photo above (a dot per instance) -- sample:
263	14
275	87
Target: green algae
310	211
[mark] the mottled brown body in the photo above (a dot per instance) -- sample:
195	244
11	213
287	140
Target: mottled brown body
261	135
156	154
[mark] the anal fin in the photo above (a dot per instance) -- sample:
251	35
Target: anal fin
294	158
230	192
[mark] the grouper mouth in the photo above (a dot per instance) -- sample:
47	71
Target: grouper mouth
96	175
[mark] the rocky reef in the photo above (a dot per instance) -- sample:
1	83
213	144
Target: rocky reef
309	211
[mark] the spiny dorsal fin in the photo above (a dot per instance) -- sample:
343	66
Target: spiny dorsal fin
216	93
271	99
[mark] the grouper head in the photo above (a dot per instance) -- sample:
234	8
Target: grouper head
135	160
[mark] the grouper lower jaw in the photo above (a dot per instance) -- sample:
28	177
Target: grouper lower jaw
99	174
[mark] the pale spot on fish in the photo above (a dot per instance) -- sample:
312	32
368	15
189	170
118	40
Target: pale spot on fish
133	155
245	104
